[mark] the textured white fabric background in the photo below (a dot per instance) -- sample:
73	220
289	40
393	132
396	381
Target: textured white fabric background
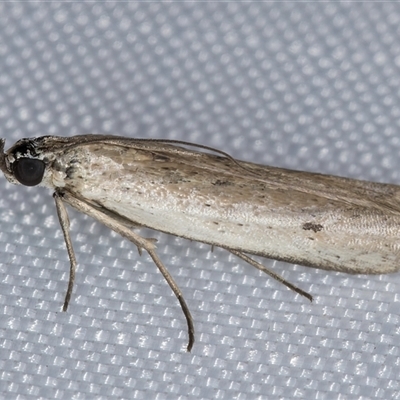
311	86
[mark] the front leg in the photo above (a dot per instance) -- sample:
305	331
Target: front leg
107	219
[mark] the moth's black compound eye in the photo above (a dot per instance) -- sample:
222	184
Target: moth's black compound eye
28	171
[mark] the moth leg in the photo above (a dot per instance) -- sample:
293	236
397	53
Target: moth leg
124	221
128	223
152	240
272	274
175	288
140	243
64	222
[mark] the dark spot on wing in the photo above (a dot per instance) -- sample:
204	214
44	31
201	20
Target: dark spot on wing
220	182
310	226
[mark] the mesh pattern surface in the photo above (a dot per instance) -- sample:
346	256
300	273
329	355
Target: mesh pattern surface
308	86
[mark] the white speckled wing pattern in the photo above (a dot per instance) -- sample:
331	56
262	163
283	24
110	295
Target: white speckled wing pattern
311	219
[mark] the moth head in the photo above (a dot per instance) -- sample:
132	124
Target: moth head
23	163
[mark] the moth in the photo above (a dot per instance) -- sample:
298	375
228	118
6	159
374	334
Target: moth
310	219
